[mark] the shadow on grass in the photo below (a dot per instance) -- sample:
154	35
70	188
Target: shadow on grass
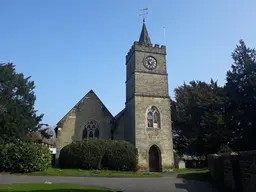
195	186
196	182
196	176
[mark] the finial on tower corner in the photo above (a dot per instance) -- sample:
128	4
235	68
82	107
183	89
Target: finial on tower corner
144	13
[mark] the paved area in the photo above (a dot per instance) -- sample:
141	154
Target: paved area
168	183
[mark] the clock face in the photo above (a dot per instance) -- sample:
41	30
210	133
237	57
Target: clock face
150	63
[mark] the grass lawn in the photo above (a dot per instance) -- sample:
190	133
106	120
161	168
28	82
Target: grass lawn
49	187
92	173
202	175
181	170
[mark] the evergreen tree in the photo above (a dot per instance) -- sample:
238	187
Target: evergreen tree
18	117
46	131
197	116
241	98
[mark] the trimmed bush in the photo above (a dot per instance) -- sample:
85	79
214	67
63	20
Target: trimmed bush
86	154
99	154
64	160
24	157
120	155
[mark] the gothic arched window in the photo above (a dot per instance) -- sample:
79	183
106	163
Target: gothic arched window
91	130
153	117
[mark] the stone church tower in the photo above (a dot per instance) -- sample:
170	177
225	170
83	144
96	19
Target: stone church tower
148	114
146	119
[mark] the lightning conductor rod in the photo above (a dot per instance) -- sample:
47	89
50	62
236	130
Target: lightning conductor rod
164	36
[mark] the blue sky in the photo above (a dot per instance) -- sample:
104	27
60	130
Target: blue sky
72	46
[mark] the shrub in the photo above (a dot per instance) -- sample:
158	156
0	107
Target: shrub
92	153
86	154
64	160
99	154
24	157
120	155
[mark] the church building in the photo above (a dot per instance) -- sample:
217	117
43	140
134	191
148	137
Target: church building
146	119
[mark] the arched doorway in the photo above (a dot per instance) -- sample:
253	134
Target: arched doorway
154	157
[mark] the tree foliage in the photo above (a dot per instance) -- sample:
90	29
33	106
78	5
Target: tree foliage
208	118
197	118
46	132
18	117
241	98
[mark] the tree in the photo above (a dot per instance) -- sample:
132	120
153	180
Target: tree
43	135
240	89
197	116
18	117
46	132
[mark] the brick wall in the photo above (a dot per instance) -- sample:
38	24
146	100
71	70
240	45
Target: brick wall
234	172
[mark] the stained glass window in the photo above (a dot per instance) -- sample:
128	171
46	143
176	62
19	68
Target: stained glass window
91	130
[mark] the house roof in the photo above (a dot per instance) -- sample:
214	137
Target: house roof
80	101
120	114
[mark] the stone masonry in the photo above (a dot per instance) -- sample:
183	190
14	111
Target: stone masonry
234	172
145	88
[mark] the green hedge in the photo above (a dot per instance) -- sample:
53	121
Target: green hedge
121	155
24	157
99	154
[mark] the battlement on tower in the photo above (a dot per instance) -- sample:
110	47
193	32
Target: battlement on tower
150	48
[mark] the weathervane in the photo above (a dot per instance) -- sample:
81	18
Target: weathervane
144	13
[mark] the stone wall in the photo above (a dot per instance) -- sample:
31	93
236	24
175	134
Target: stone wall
215	165
247	164
71	127
160	137
234	172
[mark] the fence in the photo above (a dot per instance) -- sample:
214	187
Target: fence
234	172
